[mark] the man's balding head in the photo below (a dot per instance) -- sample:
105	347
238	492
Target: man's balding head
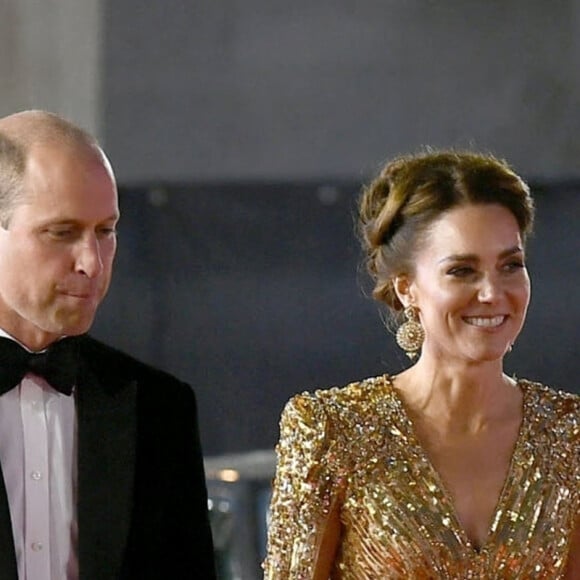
20	134
33	127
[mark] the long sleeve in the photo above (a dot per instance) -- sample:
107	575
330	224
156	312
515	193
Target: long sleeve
306	488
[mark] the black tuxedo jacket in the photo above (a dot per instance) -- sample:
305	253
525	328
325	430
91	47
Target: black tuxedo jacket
142	500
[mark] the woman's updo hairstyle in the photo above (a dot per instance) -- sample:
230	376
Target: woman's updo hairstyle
398	206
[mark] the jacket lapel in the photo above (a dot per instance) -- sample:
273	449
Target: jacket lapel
8	567
107	427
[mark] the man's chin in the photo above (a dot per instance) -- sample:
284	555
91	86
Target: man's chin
72	326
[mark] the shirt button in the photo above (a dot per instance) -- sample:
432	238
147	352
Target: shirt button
36	475
36	546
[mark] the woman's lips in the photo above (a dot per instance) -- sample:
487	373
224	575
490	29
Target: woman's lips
485	321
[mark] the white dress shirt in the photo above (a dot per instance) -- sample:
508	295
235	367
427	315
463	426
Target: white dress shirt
38	458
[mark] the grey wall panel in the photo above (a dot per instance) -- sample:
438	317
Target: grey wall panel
50	58
207	90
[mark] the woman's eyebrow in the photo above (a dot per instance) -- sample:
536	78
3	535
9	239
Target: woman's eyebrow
475	257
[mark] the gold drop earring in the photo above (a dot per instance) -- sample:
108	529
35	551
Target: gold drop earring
410	335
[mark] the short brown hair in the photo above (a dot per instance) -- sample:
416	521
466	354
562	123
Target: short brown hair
12	166
411	191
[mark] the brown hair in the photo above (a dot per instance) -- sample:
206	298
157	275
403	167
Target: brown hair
410	192
12	166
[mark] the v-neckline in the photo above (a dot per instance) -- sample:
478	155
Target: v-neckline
439	481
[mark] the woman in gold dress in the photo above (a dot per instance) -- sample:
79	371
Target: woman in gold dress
450	469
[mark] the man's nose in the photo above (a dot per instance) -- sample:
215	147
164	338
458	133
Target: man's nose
89	261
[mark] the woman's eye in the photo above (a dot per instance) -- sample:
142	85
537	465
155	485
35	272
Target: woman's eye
514	266
461	271
107	232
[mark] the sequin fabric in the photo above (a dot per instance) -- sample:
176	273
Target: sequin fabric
353	449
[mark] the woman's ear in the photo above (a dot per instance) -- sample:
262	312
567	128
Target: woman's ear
402	286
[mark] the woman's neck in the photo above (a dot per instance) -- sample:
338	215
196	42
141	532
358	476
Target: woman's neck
459	397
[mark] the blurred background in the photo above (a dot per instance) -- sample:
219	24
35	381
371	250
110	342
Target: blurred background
241	133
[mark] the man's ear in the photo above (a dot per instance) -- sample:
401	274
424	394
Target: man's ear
404	289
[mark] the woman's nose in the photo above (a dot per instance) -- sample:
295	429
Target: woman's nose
489	289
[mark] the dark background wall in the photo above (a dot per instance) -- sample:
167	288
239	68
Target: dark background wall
241	131
251	294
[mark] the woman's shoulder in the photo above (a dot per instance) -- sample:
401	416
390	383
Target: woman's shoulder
553	407
546	393
358	401
353	393
341	426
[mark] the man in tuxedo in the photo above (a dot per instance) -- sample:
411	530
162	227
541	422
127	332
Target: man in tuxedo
101	465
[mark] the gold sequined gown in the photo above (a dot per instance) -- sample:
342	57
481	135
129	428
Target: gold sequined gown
356	446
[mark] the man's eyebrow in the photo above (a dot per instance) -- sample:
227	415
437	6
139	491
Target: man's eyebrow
65	220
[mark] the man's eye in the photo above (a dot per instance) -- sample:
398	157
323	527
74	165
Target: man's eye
61	233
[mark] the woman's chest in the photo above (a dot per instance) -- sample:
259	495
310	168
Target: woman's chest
399	519
474	474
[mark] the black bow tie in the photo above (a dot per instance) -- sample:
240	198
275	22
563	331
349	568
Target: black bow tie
58	364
